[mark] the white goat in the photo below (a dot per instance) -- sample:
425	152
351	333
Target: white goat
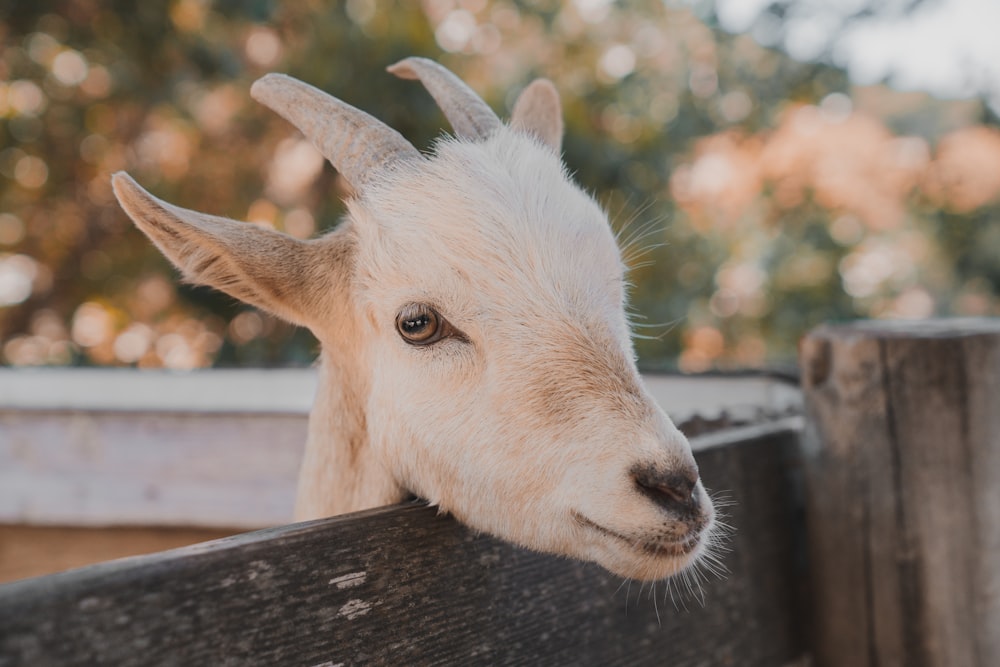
475	347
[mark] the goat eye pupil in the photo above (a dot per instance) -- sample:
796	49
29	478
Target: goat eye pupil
418	324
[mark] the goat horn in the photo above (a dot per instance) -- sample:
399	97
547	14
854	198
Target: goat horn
357	144
469	115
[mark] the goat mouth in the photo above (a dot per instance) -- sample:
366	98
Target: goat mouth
660	548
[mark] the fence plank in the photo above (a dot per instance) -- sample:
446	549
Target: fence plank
401	585
903	492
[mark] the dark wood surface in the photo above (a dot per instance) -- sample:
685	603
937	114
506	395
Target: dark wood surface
903	468
404	586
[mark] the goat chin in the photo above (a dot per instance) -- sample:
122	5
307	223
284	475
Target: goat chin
471	309
648	558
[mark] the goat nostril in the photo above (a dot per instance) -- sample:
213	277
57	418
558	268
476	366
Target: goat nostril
680	494
672	491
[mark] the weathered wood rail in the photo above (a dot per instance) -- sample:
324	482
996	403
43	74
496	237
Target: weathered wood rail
402	585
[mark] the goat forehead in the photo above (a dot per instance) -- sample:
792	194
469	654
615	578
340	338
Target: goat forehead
500	213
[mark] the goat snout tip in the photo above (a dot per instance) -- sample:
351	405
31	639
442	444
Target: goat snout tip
674	491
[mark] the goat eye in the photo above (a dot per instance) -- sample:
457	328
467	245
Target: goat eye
420	325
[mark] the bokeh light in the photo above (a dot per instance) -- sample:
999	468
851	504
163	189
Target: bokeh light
765	195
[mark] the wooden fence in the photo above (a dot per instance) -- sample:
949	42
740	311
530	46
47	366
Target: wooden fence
404	586
840	555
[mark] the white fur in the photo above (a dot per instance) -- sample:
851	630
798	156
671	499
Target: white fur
531	426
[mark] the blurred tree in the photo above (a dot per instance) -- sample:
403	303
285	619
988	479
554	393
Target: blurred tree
768	194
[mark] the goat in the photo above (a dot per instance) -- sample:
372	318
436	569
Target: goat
475	346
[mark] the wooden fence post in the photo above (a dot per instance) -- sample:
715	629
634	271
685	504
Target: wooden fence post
902	457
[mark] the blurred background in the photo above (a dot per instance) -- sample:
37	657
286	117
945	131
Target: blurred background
781	163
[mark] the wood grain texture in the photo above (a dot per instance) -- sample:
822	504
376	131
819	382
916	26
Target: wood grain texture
402	585
903	468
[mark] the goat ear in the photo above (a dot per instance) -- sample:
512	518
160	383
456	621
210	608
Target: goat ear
539	112
264	268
